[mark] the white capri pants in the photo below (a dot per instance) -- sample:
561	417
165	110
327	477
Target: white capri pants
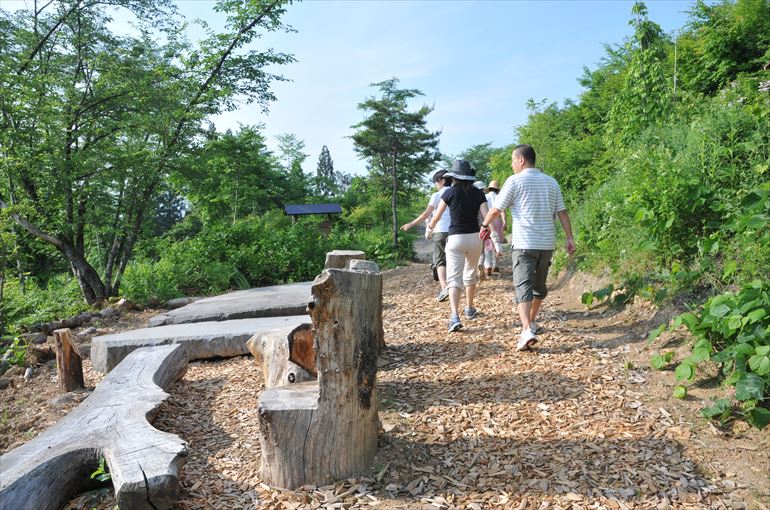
462	258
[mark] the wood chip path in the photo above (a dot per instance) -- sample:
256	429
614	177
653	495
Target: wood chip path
468	422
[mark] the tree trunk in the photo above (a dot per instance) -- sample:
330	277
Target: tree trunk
340	259
320	431
393	201
69	367
128	249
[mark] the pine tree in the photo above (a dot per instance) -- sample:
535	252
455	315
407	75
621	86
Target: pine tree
396	141
326	182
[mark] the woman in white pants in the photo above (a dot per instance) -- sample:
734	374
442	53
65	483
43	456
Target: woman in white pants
463	246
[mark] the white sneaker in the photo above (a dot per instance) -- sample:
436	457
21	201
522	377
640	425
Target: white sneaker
533	327
526	339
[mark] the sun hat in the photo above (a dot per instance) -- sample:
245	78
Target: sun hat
462	170
494	186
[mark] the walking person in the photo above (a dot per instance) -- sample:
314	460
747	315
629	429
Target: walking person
463	247
493	247
535	201
440	232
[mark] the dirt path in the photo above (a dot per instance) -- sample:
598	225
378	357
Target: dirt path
471	423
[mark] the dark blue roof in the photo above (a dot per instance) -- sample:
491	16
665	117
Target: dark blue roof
298	209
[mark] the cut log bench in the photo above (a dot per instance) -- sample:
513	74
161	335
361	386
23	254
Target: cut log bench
114	423
200	340
318	431
274	301
313	431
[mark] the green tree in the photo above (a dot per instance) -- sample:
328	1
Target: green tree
395	141
231	176
722	41
92	124
326	181
292	156
645	97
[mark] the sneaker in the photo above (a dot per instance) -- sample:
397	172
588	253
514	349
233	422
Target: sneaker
454	324
471	313
443	295
533	327
526	340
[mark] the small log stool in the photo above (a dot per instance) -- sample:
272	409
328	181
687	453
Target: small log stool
340	259
318	431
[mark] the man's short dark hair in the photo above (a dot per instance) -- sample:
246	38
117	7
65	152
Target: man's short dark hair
526	152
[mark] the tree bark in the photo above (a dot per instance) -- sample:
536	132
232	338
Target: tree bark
114	423
319	431
340	259
69	367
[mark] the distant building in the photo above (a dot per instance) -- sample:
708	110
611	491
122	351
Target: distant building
295	210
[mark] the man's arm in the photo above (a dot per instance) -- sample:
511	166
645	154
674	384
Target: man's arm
427	212
567	226
491	215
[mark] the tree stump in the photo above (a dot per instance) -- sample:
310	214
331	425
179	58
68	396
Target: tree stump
339	259
69	367
273	350
319	431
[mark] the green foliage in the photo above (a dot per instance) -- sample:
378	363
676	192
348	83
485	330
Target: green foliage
92	123
660	361
101	472
252	252
733	330
17	349
724	40
602	294
680	392
644	98
232	176
38	303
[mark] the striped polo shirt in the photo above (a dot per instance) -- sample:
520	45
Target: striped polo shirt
534	199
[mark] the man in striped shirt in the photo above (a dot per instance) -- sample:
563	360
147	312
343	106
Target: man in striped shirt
535	201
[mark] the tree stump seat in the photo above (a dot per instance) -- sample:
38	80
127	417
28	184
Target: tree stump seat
318	431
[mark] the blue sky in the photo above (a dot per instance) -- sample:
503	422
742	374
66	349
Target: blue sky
476	62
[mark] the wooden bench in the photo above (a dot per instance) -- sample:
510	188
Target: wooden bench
114	423
318	431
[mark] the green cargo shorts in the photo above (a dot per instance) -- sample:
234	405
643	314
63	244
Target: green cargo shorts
530	270
439	248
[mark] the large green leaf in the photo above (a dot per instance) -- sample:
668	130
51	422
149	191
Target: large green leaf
750	386
757	315
760	364
720	310
759	417
685	371
718	407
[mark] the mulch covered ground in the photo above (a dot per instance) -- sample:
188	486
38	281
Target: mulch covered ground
469	422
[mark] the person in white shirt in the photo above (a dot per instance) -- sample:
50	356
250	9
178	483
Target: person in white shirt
535	201
493	247
440	233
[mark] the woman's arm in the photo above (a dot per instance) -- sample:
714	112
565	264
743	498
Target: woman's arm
427	212
437	215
